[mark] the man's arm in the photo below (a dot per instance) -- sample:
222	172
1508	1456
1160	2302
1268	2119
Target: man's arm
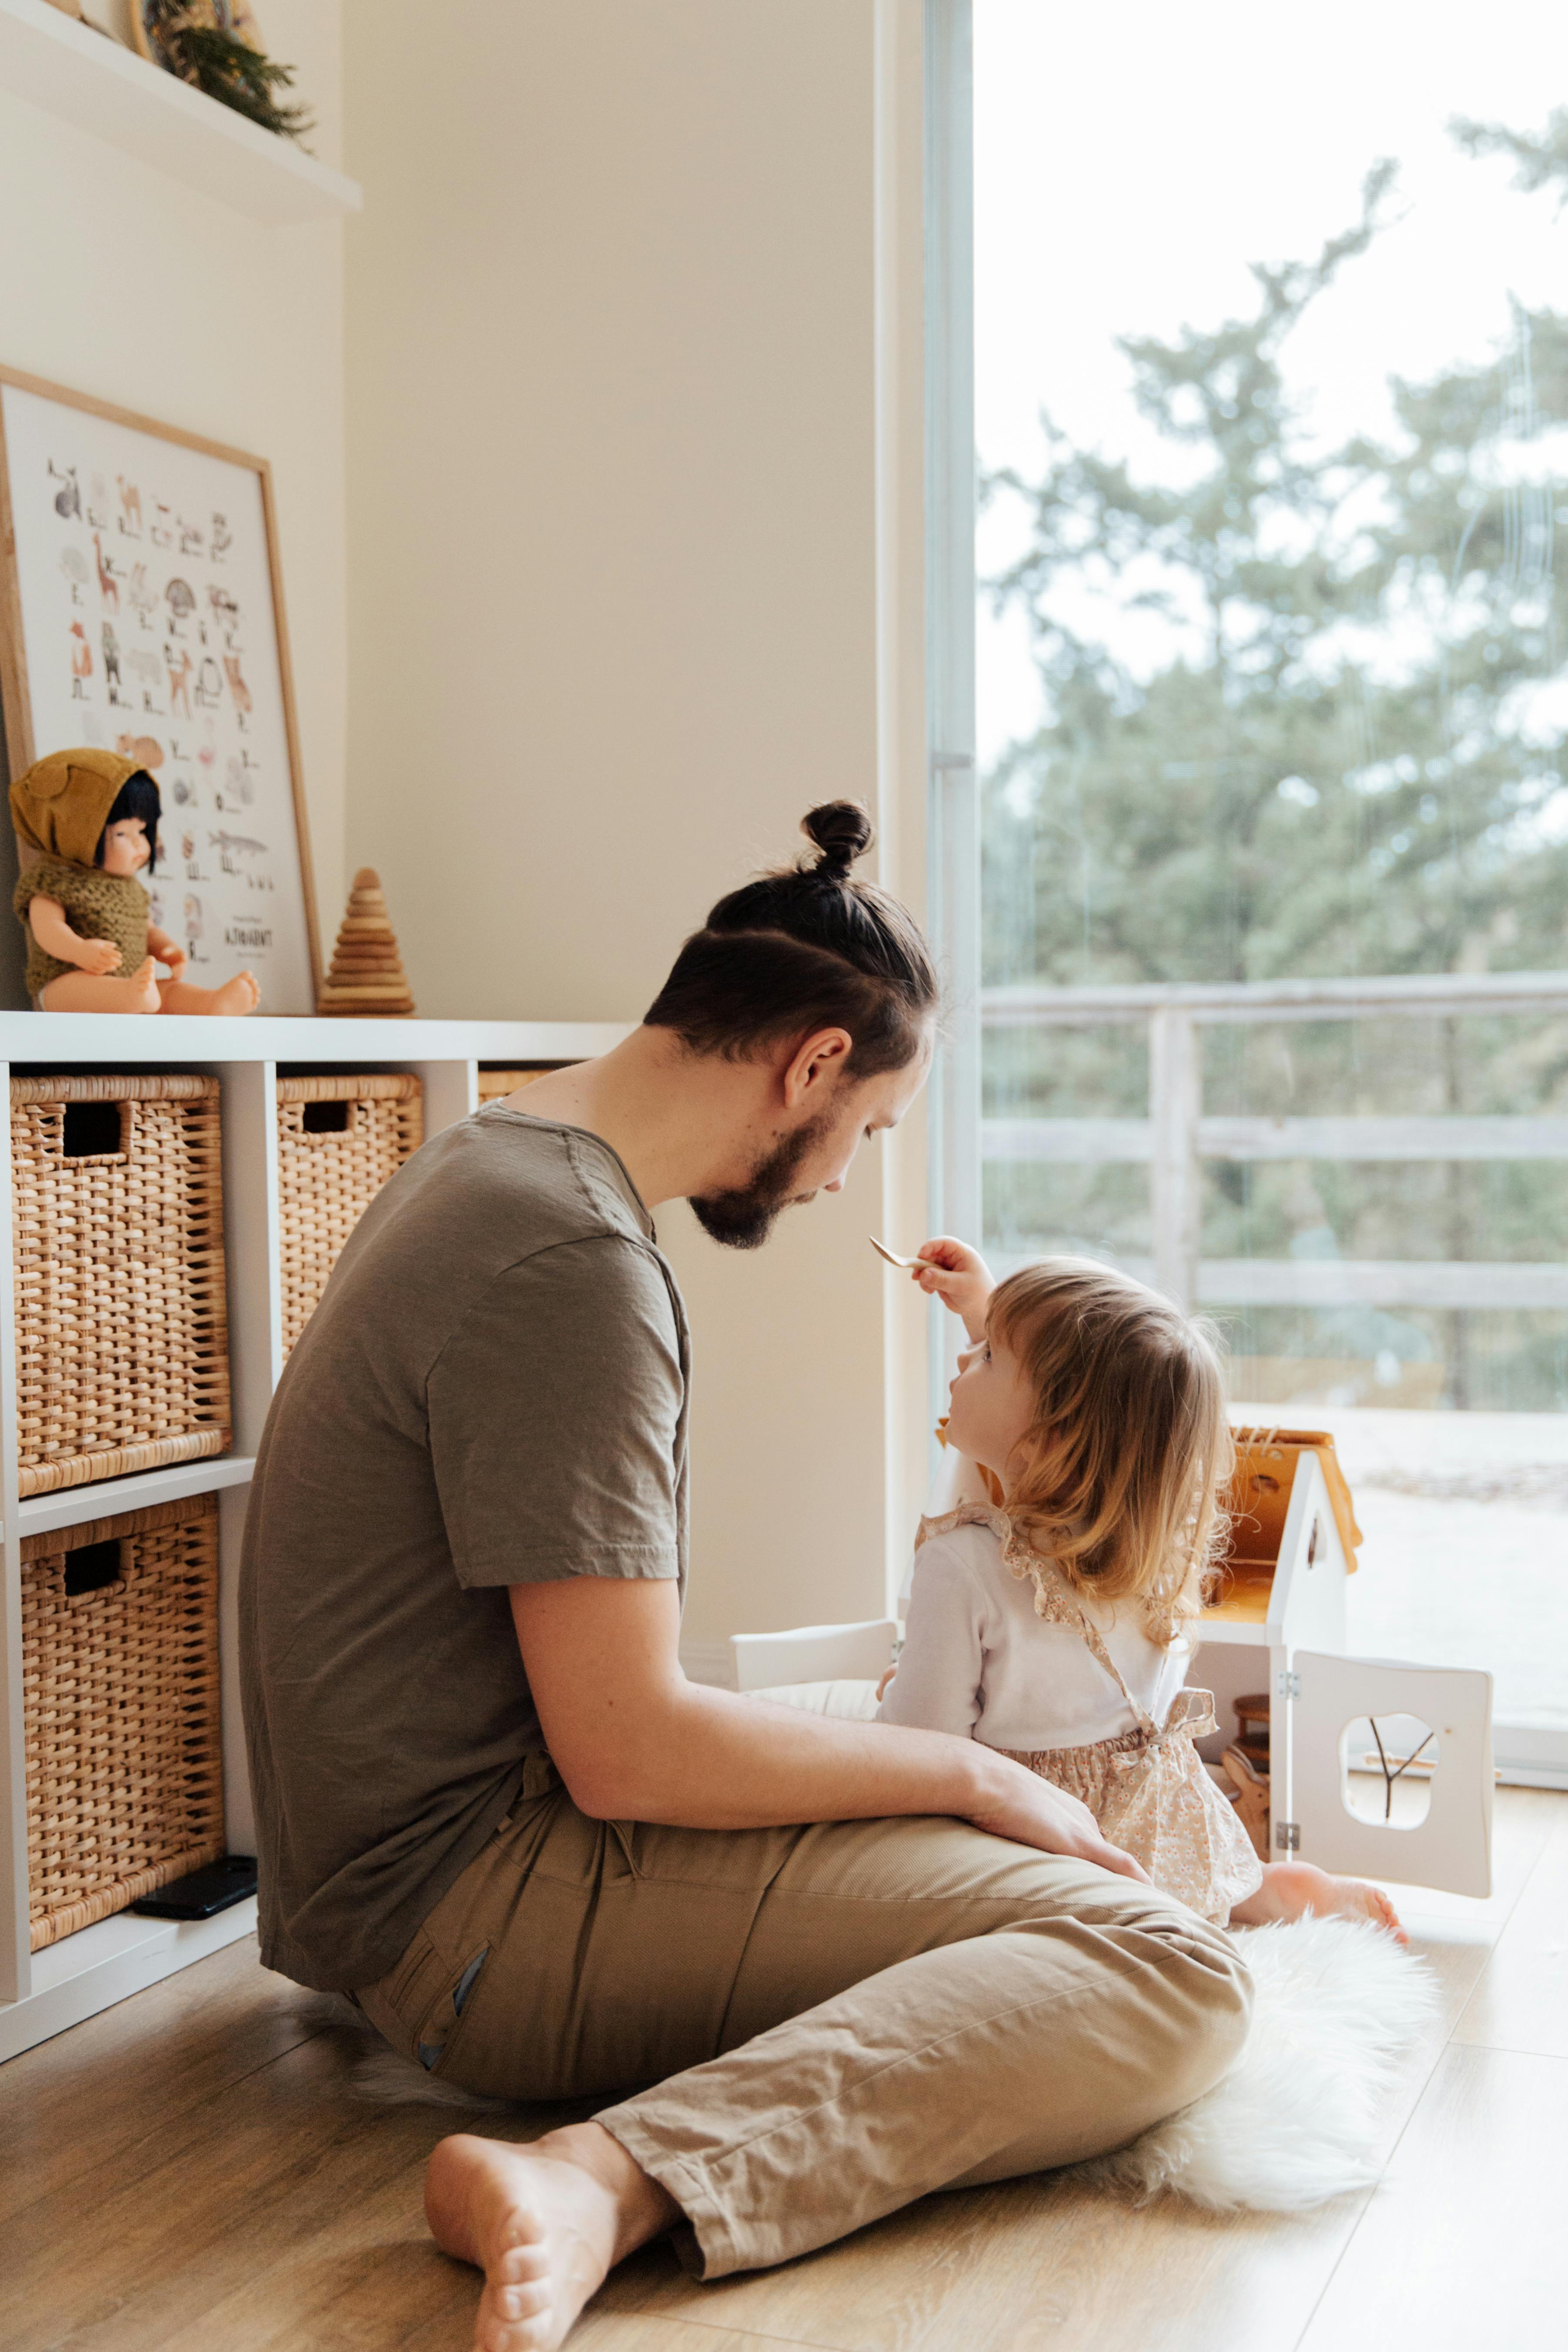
634	1741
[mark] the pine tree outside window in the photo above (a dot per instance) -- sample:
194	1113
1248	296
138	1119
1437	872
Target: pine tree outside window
1271	412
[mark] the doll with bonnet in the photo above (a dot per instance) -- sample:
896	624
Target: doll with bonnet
89	819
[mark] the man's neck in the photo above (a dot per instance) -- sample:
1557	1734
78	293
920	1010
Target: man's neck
678	1120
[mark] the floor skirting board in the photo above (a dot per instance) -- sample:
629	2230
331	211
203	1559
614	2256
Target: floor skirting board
104	1964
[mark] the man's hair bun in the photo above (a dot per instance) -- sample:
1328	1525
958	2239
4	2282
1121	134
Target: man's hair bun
841	830
802	947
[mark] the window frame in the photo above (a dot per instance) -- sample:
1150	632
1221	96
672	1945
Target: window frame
952	791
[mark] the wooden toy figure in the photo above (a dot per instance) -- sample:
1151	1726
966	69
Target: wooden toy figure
90	819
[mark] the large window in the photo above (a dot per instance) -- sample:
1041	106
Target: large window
1271	408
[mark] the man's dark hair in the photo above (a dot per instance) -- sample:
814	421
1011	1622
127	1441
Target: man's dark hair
137	796
805	946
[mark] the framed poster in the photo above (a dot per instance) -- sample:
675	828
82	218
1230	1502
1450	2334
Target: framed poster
142	610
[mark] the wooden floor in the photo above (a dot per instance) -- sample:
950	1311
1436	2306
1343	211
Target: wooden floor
190	2172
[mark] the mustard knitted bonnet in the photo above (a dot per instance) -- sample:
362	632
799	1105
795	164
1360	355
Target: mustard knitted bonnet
61	803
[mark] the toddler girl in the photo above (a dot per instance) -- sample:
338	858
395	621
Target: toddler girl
1051	1620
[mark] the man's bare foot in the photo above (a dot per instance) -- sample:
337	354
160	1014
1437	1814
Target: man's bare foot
1291	1889
545	2222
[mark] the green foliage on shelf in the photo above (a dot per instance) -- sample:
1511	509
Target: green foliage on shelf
214	59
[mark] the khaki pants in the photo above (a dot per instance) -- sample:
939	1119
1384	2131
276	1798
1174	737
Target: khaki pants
835	2020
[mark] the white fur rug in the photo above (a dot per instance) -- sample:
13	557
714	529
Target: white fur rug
1297	2119
1337	2005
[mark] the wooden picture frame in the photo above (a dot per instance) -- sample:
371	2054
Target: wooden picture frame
59	523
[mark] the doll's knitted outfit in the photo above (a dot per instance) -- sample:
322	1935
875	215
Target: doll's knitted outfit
98	905
60	808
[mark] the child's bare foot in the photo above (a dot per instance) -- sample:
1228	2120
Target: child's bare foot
1291	1889
545	2223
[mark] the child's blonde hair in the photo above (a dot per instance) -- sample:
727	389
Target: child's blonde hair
1129	1447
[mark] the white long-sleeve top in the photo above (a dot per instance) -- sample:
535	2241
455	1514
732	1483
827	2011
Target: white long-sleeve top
978	1662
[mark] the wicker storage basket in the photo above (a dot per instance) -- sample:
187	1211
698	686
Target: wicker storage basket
120	1682
122	1329
493	1084
338	1140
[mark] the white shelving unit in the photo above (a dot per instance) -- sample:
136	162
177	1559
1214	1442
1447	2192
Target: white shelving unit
85	79
42	1992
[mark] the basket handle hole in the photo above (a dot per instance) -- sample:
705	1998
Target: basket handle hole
324	1118
92	1568
93	1131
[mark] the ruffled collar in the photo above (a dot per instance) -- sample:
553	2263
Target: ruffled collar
1052	1599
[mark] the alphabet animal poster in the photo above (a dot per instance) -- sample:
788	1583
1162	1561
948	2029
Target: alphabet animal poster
141	611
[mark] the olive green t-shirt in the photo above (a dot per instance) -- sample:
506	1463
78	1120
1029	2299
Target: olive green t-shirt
491	1391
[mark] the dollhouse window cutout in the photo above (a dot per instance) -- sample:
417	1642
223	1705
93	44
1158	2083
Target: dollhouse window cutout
1386	1766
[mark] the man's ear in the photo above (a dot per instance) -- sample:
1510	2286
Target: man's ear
812	1067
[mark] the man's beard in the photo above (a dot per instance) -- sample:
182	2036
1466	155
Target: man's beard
743	1219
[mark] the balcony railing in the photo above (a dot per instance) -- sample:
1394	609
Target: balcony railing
1177	1137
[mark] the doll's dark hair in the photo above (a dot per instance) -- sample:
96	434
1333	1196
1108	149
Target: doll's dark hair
137	796
805	946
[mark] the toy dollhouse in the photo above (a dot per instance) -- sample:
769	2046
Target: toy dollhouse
1276	1625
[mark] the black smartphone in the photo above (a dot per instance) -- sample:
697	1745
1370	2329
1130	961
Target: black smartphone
203	1893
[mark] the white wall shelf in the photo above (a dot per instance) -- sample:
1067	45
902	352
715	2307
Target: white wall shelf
42	1992
73	72
72	1507
57	1040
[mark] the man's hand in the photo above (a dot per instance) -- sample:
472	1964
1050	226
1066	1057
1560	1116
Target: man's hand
1036	1812
959	1276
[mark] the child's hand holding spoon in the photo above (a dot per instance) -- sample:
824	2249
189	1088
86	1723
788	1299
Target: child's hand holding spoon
949	1270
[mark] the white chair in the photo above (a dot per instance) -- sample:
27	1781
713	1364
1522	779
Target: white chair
814	1654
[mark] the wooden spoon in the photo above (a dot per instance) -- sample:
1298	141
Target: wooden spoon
904	1263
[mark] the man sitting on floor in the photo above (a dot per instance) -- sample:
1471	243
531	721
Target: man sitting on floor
855	1963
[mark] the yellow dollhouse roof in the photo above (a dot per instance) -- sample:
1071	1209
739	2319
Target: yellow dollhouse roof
1255	1484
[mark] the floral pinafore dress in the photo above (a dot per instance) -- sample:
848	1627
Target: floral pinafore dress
1148	1788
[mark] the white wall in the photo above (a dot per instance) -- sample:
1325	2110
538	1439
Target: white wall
118	281
635	520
